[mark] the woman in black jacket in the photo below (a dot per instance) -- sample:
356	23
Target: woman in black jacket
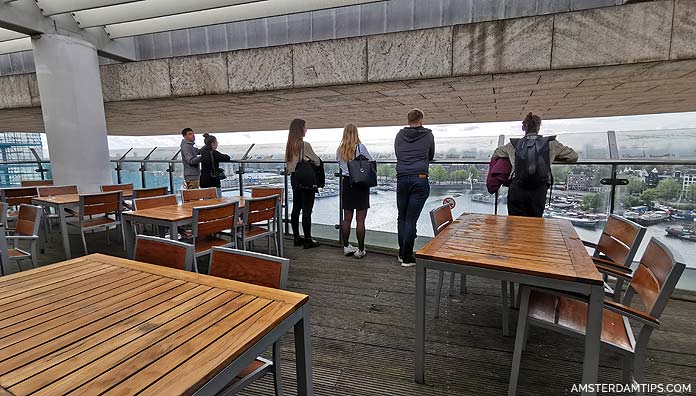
211	162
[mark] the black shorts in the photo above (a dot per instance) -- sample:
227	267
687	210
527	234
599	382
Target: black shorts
354	198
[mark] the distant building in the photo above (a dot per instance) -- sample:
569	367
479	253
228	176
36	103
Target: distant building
580	179
16	147
652	178
688	178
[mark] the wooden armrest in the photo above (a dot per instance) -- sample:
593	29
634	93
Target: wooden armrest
611	271
632	313
612	265
590	244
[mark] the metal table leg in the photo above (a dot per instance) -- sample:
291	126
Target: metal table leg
505	309
303	354
130	237
592	337
64	231
420	322
173	231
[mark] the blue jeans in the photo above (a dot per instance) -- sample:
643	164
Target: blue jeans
411	193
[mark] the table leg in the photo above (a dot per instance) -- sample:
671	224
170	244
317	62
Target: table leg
173	231
130	237
420	322
592	337
303	354
505	308
64	231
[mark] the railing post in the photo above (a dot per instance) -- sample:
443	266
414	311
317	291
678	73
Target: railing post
613	154
142	173
170	169
612	195
240	172
118	172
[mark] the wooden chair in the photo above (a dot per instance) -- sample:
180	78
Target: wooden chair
653	282
149	192
126	187
164	252
4	254
36	183
49	191
198	194
211	221
258	269
260	221
260	192
440	218
16	196
154	202
616	248
3	213
26	229
94	213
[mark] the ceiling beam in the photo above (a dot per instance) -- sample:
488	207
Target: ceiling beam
147	9
23	16
55	7
16	45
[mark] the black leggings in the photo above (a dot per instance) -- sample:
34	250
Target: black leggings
302	201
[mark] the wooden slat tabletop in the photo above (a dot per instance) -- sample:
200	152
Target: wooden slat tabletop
541	247
105	325
182	211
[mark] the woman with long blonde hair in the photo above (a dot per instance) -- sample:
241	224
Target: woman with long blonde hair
302	199
353	198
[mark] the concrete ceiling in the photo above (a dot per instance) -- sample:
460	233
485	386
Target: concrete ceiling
646	88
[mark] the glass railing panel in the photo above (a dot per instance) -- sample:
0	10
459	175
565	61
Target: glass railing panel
589	146
164	153
663	144
327	201
130	173
230	185
156	174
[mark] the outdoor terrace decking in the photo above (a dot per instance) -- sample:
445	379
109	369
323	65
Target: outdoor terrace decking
362	314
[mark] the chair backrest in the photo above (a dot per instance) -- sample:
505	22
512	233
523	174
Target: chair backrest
18	195
149	192
250	267
164	252
28	220
116	187
655	278
440	218
154	202
198	193
620	240
259	192
101	203
37	183
212	219
56	190
261	209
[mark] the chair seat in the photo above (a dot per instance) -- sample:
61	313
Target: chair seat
255	231
17	253
205	244
12	213
98	222
572	315
253	366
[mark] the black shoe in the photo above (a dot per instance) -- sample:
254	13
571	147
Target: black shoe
310	243
408	262
299	242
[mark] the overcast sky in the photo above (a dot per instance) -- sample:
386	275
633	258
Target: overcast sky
603	124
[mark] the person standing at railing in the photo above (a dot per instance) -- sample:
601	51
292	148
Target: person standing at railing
297	152
210	163
353	197
415	148
531	158
191	159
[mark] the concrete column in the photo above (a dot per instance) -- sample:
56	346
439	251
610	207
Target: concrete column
67	71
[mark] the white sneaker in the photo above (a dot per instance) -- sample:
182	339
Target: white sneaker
400	259
349	250
360	254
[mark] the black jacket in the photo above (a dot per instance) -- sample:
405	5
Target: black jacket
415	148
206	166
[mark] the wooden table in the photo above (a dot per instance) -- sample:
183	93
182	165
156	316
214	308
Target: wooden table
62	202
170	216
533	251
101	325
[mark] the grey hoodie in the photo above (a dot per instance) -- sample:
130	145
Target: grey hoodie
415	148
190	158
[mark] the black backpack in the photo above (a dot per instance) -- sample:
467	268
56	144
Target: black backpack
532	161
308	175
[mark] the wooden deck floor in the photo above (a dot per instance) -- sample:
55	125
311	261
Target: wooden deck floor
362	314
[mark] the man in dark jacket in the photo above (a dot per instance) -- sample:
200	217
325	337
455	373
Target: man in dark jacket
415	148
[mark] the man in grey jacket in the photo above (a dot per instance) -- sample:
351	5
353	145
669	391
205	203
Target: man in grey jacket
191	159
415	148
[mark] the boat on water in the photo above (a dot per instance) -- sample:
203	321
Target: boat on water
487	198
651	218
327	193
576	220
685	232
